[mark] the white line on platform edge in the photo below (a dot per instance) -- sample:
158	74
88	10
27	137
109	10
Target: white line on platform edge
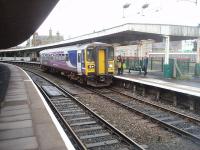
63	135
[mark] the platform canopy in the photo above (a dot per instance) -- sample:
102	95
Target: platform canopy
19	19
130	32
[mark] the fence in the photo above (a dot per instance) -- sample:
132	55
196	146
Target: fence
182	67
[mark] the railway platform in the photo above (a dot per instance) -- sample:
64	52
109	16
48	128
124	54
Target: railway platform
26	121
188	89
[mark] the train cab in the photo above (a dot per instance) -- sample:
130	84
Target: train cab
99	64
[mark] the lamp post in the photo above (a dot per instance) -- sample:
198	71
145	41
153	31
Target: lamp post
124	7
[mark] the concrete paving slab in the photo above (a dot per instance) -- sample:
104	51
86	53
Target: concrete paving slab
20	86
19	144
16	91
16	83
16	74
15	118
34	98
58	148
17	98
19	79
16	125
10	97
17	86
53	141
40	116
16	133
14	103
14	107
7	113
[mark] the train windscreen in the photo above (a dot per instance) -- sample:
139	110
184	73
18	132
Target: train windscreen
110	53
90	54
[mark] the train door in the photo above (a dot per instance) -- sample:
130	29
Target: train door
101	61
79	62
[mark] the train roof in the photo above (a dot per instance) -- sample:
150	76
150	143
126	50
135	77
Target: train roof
74	47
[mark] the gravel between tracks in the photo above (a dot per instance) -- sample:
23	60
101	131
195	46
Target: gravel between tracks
136	127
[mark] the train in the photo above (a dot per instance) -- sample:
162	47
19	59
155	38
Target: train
91	64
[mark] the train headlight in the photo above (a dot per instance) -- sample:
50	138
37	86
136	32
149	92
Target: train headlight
90	66
110	65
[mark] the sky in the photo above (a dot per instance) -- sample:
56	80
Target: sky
77	17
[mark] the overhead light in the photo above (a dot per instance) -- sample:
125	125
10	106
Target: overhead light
145	6
126	5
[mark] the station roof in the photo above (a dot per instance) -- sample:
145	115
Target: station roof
128	32
19	19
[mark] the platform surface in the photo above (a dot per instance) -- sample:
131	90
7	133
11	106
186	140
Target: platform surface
190	87
24	120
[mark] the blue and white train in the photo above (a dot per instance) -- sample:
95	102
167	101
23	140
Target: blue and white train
91	63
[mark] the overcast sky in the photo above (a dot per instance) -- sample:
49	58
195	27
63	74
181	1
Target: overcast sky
77	17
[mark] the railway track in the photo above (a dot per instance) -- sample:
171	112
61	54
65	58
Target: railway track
180	123
87	130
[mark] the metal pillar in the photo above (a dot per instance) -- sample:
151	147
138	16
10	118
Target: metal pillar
33	56
140	50
198	50
168	70
166	39
197	65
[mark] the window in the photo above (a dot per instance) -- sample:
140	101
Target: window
67	57
110	53
79	57
63	57
90	54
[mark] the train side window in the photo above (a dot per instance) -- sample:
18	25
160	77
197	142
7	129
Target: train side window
46	57
83	57
67	57
79	57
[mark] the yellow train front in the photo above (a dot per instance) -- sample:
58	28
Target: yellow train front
99	64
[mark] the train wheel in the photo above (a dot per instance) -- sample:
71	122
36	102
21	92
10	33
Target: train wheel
82	80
